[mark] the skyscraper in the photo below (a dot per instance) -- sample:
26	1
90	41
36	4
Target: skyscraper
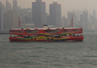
11	17
1	16
94	13
15	5
69	17
39	13
8	6
11	20
14	14
55	14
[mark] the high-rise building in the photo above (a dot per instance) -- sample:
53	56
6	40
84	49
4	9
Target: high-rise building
69	17
85	13
11	20
55	14
26	15
84	20
1	16
15	5
8	6
94	20
39	17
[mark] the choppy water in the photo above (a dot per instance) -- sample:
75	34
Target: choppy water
49	54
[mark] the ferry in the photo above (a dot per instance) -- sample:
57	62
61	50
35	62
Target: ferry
46	34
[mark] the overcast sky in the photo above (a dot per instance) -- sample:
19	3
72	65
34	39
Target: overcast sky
67	5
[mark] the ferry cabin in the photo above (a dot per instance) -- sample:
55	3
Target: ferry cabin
50	31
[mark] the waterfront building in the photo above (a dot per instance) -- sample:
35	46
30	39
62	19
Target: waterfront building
8	6
11	20
55	14
39	16
15	7
1	17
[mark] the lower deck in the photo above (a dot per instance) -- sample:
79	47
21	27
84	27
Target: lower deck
43	38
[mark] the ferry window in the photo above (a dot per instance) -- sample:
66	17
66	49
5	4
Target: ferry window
69	30
19	31
57	36
48	31
31	31
64	30
33	36
52	31
12	31
74	29
73	35
48	35
56	31
40	34
67	34
34	31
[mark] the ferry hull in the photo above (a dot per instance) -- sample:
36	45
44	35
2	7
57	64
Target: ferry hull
13	39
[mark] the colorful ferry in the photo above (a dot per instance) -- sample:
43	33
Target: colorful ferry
46	34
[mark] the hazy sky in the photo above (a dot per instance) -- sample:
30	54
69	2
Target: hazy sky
67	5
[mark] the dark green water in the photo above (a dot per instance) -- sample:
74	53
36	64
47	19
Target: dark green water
49	54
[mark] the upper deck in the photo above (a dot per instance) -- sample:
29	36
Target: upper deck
54	31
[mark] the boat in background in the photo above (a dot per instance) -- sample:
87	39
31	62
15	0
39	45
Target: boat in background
46	34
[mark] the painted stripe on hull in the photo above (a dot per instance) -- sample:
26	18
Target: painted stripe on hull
80	38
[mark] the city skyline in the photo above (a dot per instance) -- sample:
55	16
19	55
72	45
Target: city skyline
67	5
38	16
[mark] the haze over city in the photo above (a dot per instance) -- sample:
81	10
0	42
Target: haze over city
37	13
67	5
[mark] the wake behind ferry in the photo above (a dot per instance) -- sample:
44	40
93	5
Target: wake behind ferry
46	34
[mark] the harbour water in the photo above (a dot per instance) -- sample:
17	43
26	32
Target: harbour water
49	54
